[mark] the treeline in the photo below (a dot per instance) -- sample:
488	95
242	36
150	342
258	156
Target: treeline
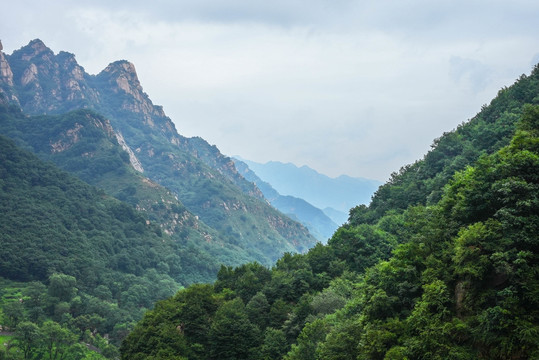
83	143
422	182
448	271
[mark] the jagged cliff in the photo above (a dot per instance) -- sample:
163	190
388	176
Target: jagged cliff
205	180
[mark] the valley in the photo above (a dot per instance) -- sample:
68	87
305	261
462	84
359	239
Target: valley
122	239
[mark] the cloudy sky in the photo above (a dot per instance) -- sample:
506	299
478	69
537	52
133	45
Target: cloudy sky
344	86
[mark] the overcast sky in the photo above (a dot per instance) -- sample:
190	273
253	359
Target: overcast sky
345	87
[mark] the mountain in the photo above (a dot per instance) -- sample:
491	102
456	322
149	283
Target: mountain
318	223
85	144
339	217
442	264
341	193
204	181
422	183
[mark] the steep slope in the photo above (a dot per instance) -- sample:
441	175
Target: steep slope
85	144
341	193
320	225
53	222
204	180
453	279
422	182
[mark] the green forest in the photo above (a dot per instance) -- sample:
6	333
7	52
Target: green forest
80	258
99	261
442	265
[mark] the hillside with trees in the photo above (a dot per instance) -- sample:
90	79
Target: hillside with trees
81	258
91	238
442	265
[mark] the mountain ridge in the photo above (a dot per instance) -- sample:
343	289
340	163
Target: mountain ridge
318	223
340	193
201	177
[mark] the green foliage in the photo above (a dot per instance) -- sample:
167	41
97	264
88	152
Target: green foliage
361	246
442	264
72	240
53	341
83	143
274	346
423	182
454	278
232	335
28	336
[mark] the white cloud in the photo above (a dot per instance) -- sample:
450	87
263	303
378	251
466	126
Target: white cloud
344	86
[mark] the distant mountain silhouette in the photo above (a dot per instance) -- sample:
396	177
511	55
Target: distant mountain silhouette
341	193
317	221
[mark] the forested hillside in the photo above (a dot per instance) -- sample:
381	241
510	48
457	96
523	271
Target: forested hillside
94	262
83	263
84	143
422	183
442	265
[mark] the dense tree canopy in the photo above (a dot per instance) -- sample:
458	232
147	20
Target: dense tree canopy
442	265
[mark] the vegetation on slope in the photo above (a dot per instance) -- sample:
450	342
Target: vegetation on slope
112	264
422	183
454	278
83	143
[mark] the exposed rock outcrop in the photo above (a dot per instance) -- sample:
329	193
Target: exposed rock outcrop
6	80
132	157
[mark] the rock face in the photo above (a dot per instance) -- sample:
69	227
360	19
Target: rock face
205	180
121	78
132	157
47	83
6	78
6	75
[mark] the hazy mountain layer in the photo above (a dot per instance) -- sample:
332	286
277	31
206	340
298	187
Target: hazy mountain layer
318	223
340	193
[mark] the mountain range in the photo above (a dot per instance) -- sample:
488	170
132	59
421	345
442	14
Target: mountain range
335	196
318	223
197	176
106	209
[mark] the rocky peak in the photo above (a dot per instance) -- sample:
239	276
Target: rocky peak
67	62
6	75
6	80
57	82
35	49
123	73
121	78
